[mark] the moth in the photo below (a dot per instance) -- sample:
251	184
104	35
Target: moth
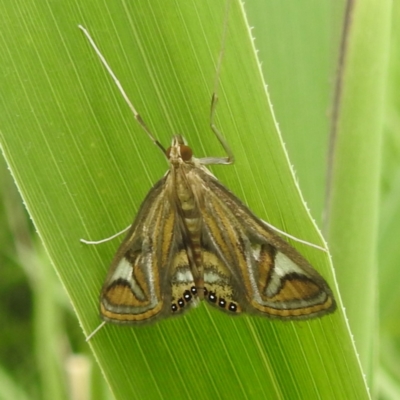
194	240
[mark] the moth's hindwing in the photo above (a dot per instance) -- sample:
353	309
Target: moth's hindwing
221	290
184	291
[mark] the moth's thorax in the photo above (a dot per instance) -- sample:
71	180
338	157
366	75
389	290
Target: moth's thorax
181	183
183	188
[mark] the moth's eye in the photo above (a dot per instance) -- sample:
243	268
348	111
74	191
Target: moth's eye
168	152
186	152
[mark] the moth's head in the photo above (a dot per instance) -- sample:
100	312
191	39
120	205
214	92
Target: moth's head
179	150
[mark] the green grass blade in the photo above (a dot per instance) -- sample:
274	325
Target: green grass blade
354	200
83	165
389	250
9	388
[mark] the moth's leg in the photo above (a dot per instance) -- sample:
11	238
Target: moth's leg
106	239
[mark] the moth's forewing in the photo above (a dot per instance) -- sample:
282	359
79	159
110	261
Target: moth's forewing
136	288
267	275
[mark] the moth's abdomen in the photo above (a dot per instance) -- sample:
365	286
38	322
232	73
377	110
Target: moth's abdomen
191	218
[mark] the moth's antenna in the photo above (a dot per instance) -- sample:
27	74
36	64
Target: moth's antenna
95	331
106	239
214	101
121	89
222	51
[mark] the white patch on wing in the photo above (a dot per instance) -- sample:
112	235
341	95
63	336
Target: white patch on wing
211	276
183	275
124	272
283	266
256	251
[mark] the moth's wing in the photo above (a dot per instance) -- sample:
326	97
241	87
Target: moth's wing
135	288
222	287
184	292
262	273
150	275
